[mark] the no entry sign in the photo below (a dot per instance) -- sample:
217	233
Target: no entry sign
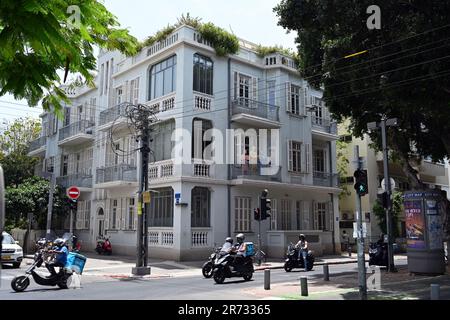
73	193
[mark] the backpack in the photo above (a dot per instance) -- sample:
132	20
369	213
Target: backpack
249	249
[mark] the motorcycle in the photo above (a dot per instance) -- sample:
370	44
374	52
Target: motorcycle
378	254
226	266
104	246
292	261
60	279
207	268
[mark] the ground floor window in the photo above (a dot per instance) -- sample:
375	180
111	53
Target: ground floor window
83	215
322	216
242	214
161	208
114	214
200	207
274	214
286	214
131	213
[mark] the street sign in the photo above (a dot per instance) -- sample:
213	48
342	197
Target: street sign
177	198
146	196
392	184
73	192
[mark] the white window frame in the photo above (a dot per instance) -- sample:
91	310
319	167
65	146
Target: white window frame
131	214
295	166
274	214
285	214
242	214
119	95
115	214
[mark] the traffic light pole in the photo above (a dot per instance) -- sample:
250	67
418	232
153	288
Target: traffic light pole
361	256
387	184
259	241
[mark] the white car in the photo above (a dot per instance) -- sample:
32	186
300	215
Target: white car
11	251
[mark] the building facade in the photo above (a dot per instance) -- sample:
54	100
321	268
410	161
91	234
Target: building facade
235	115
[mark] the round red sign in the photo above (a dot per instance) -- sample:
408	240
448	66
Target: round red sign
73	193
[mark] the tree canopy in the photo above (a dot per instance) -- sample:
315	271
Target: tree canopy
403	74
40	37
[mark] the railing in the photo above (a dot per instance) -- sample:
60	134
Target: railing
324	124
199	39
80	127
256	108
278	59
112	114
80	180
36	144
202	169
202	102
163	104
162	238
200	237
253	172
326	179
161	169
162	44
120	172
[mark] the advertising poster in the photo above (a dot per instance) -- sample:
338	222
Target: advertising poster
435	239
415	224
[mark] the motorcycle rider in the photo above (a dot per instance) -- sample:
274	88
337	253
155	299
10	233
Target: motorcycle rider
61	256
302	246
228	245
239	249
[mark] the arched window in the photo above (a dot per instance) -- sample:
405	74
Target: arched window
199	127
203	74
163	78
200	207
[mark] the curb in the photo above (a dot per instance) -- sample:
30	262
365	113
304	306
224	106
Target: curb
316	264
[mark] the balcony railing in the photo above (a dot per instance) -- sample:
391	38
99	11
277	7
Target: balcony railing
112	114
160	237
200	237
38	143
326	179
256	108
79	180
120	172
202	102
80	127
253	172
325	125
163	104
161	170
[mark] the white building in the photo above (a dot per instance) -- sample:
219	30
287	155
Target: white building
184	78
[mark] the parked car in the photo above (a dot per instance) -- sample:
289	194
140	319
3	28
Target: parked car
11	251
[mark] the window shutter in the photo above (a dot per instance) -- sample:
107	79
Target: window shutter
107	213
330	216
303	158
255	89
302	109
315	215
136	91
130	95
236	85
307	158
289	155
305	216
288	96
123	213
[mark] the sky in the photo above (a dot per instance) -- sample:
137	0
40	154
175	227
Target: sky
252	20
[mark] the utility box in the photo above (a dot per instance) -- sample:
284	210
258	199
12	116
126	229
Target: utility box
424	232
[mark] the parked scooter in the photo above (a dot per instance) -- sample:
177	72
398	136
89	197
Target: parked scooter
60	279
228	265
378	254
292	261
207	268
104	246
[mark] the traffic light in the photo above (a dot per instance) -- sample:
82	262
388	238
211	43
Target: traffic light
265	205
257	213
361	185
73	205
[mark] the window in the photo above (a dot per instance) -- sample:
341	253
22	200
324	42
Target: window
274	214
102	77
286	214
114	213
199	127
322	216
66	117
134	91
319	160
162	143
119	95
83	215
245	90
271	92
65	165
201	203
130	224
346	138
294	95
244	87
203	74
294	156
161	208
163	78
242	214
298	215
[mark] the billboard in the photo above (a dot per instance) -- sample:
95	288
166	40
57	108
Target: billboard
415	224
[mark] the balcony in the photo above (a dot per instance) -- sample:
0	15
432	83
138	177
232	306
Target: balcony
161	170
79	180
324	128
251	112
163	104
253	172
325	179
116	176
37	147
112	115
76	133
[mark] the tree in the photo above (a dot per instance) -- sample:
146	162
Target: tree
14	145
397	209
31	196
40	37
404	74
342	163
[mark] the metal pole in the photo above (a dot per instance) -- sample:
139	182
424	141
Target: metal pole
267	279
361	256
304	286
50	205
435	292
259	240
387	184
71	221
145	161
326	272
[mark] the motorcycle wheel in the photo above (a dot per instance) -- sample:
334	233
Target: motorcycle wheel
20	283
288	266
219	276
248	276
311	264
207	270
64	284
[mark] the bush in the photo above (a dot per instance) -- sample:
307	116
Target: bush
222	41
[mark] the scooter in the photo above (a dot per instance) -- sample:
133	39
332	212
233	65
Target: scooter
104	247
378	254
226	266
207	268
60	279
292	261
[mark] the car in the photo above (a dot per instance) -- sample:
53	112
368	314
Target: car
11	251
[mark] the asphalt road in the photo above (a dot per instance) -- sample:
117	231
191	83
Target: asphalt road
164	288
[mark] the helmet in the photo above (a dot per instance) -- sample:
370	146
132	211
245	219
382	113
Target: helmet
229	239
301	236
59	242
240	237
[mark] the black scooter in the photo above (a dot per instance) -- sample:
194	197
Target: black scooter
61	279
292	261
378	255
207	268
226	266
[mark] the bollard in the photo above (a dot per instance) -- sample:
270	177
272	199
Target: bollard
435	292
326	272
304	286
267	279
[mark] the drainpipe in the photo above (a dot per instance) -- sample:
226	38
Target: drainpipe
228	166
